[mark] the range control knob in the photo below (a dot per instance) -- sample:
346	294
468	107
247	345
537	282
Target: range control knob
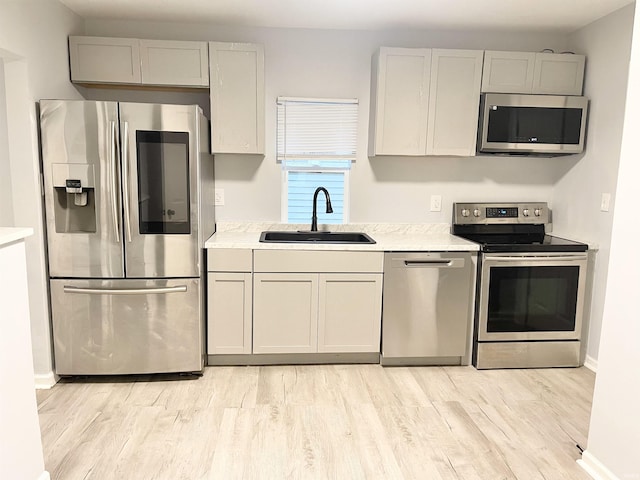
525	212
476	212
465	212
537	212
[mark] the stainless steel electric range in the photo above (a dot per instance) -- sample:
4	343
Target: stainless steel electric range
530	286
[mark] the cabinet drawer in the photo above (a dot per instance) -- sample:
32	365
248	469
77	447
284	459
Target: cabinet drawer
317	261
229	260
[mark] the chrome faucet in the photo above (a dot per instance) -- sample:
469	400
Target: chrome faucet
314	216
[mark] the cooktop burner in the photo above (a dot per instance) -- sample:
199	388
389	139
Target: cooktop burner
512	227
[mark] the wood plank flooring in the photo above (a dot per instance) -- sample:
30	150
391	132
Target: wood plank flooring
320	422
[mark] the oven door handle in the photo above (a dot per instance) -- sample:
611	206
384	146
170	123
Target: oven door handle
555	258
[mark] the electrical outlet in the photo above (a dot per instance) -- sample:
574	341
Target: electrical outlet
436	203
604	203
219	197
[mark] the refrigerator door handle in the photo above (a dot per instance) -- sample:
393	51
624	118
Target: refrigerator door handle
124	291
114	180
125	178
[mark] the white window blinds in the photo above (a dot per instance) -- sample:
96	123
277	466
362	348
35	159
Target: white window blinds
317	129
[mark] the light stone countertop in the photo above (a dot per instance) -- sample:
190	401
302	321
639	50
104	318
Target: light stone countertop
388	237
13	234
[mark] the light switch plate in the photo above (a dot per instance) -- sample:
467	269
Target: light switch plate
219	197
436	203
604	203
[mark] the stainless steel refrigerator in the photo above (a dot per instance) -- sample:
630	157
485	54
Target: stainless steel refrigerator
128	191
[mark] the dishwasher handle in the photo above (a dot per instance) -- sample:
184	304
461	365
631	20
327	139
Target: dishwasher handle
435	263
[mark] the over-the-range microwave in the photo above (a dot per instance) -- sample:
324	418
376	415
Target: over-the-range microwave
544	125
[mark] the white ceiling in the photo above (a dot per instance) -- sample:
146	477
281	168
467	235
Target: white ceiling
553	15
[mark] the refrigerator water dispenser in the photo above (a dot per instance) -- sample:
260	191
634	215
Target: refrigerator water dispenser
75	208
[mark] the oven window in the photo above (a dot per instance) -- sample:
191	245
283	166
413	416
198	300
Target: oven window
532	299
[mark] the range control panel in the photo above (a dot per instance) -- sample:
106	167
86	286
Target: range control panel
496	213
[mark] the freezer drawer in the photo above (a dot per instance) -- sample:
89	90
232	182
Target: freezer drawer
108	327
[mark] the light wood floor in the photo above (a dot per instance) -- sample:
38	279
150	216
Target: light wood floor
321	422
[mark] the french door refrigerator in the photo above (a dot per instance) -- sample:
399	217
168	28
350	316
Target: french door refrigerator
128	191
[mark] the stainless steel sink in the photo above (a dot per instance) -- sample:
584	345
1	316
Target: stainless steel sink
315	237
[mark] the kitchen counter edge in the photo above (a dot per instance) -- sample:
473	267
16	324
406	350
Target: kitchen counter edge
13	234
385	242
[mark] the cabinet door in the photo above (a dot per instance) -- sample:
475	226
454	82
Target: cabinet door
237	97
453	102
400	97
104	60
508	72
174	63
285	318
350	309
558	74
229	313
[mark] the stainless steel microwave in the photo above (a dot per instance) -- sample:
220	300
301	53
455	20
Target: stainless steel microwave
532	124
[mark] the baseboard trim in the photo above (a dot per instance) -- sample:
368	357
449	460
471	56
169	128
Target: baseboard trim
44	381
291	358
44	476
591	363
595	468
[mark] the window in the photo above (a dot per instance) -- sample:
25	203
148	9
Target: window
316	145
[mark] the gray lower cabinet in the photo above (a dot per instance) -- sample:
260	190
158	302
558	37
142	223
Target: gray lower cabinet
317	302
229	301
285	313
316	313
293	302
349	312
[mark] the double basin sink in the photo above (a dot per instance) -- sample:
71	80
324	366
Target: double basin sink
315	237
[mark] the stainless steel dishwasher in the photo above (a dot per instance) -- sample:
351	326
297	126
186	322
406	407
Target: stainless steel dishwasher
427	308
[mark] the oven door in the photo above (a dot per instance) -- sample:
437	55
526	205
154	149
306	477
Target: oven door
531	296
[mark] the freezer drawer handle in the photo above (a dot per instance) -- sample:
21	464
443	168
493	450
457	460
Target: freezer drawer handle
124	291
453	262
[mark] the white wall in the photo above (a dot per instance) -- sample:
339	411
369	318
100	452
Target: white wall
614	432
577	195
6	201
21	447
33	45
337	64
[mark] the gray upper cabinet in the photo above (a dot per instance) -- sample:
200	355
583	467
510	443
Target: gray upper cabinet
453	102
424	101
532	73
237	97
130	61
175	63
508	72
399	101
560	74
104	60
